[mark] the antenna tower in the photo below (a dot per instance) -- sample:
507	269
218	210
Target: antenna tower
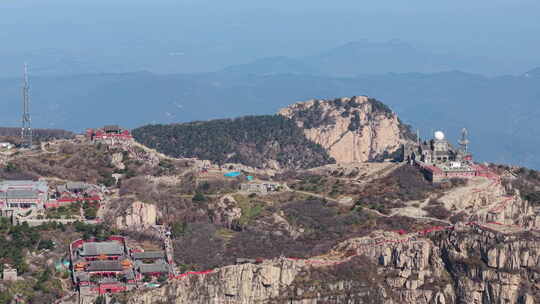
26	129
464	142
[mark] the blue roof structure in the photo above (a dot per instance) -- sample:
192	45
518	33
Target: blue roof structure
232	174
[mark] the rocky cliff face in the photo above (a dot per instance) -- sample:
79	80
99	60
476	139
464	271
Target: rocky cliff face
353	129
492	256
468	264
137	216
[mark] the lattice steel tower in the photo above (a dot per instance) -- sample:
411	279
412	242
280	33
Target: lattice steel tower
26	130
464	142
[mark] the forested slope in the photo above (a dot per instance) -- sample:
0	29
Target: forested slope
255	141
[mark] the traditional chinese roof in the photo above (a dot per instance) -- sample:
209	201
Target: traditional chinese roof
104	266
71	186
40	186
101	248
148	255
153	268
112	128
22	194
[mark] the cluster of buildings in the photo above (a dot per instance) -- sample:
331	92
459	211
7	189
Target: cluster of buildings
71	192
439	160
111	134
20	196
111	266
77	190
260	188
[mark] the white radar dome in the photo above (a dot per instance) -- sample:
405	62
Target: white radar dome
439	135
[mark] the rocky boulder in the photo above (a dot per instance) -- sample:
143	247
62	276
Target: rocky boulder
138	216
225	211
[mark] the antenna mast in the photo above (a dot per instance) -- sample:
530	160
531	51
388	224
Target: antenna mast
464	142
26	130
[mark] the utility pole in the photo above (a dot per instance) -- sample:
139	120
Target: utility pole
26	129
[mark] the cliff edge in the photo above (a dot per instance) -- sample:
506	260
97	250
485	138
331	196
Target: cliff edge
355	129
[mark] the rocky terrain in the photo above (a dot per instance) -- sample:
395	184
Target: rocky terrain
355	129
470	262
345	232
138	215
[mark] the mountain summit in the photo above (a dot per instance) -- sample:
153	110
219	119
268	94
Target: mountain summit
303	135
355	129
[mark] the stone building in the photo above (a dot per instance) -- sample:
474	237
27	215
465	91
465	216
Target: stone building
439	159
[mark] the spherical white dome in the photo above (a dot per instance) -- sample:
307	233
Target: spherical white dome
439	135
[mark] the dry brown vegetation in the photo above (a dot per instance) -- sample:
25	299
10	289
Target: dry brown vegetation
404	184
206	245
74	162
528	184
86	162
327	185
437	210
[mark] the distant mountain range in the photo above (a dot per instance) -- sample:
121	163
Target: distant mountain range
350	59
500	112
365	57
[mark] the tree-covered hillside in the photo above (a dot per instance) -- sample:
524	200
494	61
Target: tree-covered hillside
250	140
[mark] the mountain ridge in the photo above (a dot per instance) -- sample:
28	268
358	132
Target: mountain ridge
498	111
356	129
259	141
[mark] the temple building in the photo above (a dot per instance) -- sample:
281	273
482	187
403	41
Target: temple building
101	266
110	266
151	263
111	134
22	195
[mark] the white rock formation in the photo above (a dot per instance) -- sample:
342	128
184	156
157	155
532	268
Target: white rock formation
353	129
138	216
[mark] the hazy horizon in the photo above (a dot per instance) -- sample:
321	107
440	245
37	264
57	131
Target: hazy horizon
62	37
324	47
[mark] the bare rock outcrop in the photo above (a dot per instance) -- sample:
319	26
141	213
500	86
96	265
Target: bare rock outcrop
138	215
225	211
492	267
353	129
117	161
467	264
